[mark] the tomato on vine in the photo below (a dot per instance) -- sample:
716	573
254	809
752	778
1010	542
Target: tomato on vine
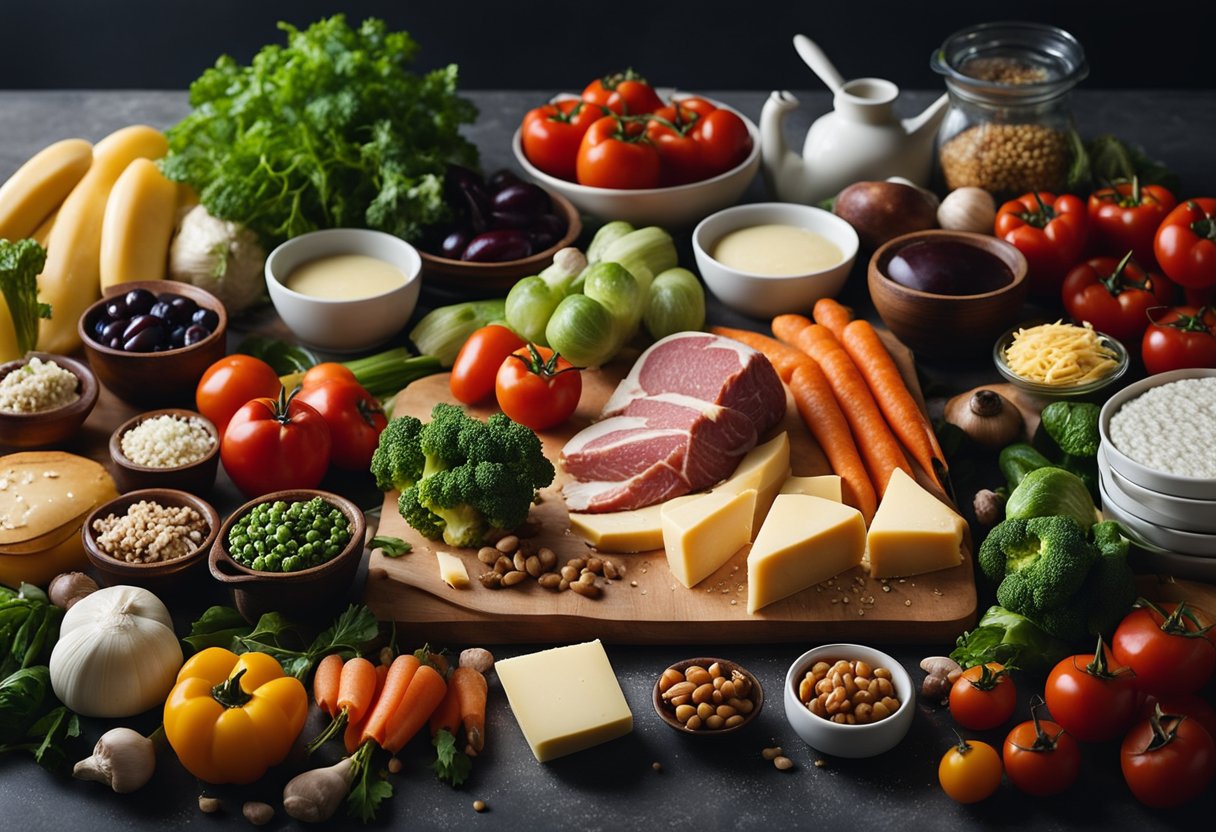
551	134
1041	758
725	140
354	417
1050	232
624	93
1126	215
537	387
1185	244
615	154
680	155
970	771
1179	337
983	697
271	445
1168	760
1170	650
1091	702
1114	295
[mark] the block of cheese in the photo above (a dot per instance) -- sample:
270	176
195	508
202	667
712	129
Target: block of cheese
826	486
764	468
804	540
702	534
565	699
913	531
639	530
452	571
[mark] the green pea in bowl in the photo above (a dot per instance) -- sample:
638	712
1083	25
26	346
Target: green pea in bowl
290	580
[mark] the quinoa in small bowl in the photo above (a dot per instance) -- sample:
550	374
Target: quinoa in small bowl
44	399
162	448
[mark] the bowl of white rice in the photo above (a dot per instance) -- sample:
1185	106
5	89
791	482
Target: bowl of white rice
169	448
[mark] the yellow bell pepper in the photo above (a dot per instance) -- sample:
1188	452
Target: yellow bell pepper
229	718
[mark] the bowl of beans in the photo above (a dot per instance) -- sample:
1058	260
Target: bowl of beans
150	341
849	700
163	448
155	538
44	399
707	696
294	551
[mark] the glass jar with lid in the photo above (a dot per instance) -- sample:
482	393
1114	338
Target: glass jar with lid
1010	129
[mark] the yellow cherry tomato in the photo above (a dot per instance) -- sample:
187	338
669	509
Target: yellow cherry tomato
229	718
970	771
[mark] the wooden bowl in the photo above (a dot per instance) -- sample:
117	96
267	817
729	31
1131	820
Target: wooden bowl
165	577
309	591
196	477
943	325
667	713
443	272
48	427
155	378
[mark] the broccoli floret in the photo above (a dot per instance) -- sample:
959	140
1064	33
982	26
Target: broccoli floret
1038	563
423	520
1066	622
1110	589
397	462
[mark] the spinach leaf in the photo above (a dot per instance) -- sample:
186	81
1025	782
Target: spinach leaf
217	627
285	358
22	695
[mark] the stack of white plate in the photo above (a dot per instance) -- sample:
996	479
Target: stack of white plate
1172	517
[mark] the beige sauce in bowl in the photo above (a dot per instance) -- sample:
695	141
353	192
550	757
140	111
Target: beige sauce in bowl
344	277
777	250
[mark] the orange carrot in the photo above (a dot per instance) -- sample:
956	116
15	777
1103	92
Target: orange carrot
400	675
783	357
821	413
353	735
426	690
787	327
471	690
903	414
325	684
447	715
832	314
877	444
356	688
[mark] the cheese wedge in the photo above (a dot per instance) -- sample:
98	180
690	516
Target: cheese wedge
763	468
639	530
913	532
826	486
701	535
565	699
452	571
804	540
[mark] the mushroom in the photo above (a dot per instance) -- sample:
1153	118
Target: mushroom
123	759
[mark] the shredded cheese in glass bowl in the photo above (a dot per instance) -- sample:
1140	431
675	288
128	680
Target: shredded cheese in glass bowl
1059	359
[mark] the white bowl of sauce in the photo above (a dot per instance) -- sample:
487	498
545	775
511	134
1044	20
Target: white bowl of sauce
344	289
770	258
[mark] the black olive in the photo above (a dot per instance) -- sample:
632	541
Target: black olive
208	318
139	301
195	333
161	309
116	309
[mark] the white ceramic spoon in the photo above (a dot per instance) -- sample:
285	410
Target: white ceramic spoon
815	58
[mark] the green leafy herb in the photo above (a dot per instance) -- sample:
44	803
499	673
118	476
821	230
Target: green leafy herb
1111	160
283	357
392	547
370	787
219	626
451	765
20	264
31	719
29	627
331	130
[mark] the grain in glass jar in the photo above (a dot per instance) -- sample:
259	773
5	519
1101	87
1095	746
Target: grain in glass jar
1010	129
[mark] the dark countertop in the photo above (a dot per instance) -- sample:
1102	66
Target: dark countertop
713	783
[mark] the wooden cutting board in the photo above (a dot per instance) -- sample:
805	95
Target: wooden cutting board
648	605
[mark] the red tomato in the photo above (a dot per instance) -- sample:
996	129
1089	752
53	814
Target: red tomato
983	697
1183	704
724	139
478	361
1185	244
614	154
697	105
1179	337
229	383
624	93
1167	648
354	418
327	371
680	155
1114	295
1040	757
538	388
273	444
1091	702
1050	231
552	133
1168	761
1126	216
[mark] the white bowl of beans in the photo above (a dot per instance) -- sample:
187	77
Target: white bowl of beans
849	700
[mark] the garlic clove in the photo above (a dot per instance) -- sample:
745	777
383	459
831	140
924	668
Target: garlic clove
123	759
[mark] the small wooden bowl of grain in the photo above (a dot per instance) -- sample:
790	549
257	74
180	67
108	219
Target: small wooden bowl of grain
170	448
39	428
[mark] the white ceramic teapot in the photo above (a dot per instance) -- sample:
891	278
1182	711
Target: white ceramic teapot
861	139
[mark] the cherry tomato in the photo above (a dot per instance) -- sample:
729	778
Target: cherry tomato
538	388
271	445
680	155
983	697
327	371
624	93
1114	295
1050	231
1041	758
1168	760
697	105
725	140
1180	337
229	383
1126	216
478	361
970	771
1185	244
1182	704
614	154
354	418
1166	647
1093	703
552	133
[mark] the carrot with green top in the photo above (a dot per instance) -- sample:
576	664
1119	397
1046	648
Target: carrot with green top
325	684
784	358
447	716
426	690
903	414
822	414
832	314
400	675
353	735
787	327
356	691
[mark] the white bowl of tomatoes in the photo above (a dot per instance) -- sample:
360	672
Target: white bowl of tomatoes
624	151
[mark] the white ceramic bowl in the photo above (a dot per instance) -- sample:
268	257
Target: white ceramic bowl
1194	488
678	206
1161	509
764	296
344	325
849	740
1119	508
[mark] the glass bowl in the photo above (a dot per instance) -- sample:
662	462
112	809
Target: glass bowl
1059	391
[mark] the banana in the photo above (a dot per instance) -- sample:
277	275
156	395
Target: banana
137	225
43	232
38	187
71	279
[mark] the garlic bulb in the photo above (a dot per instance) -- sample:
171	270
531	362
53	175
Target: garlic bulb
122	759
117	655
967	209
225	258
